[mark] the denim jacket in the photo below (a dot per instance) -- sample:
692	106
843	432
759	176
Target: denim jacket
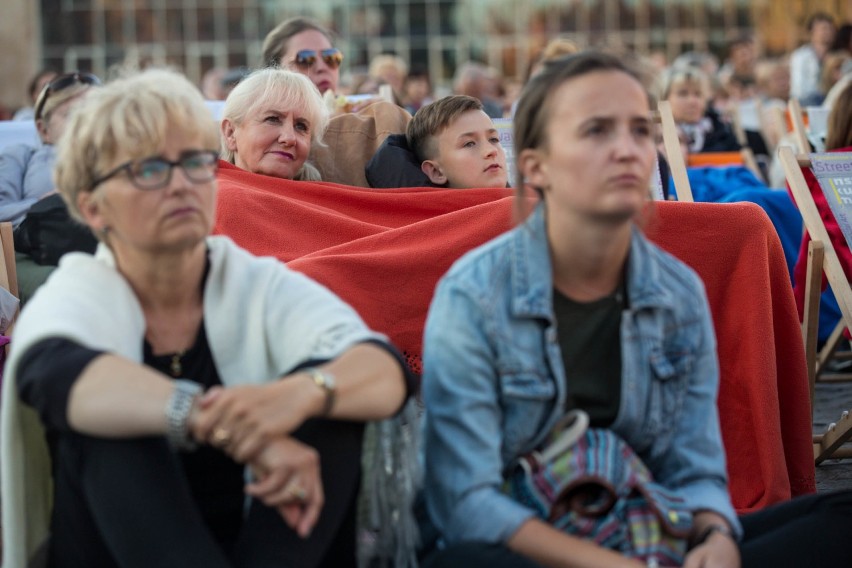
494	382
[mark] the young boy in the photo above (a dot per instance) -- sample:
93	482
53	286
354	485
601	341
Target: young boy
449	143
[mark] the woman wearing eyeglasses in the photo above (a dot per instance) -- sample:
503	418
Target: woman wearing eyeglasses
178	389
304	46
269	123
25	179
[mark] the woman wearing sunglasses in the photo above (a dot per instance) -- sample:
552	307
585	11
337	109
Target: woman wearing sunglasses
195	405
26	179
304	46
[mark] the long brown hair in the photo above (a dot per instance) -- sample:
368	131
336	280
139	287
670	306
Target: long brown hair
534	106
275	42
839	133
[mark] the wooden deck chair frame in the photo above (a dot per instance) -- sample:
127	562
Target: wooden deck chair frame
8	271
829	350
822	254
779	123
800	135
674	154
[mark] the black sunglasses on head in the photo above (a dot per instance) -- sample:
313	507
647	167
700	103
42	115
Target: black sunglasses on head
306	58
60	84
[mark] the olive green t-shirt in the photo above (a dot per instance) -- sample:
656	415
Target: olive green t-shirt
590	340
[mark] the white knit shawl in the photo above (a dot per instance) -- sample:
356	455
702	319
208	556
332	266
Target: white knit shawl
261	319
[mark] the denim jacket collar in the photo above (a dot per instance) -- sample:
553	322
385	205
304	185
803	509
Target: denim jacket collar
532	274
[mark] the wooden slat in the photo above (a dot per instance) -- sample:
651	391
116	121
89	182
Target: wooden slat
800	135
677	164
8	244
810	323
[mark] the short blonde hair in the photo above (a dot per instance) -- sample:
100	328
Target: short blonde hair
273	84
387	60
686	74
128	118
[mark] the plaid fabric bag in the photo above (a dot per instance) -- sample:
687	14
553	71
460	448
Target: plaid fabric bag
589	483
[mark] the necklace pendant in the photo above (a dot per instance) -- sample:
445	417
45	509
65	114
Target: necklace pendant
176	366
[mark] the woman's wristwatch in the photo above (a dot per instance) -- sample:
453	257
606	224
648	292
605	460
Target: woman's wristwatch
709	530
325	381
178	409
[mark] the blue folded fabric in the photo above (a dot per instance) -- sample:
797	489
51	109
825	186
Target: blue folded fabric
731	184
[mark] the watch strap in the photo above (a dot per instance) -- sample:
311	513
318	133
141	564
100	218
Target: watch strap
178	409
326	382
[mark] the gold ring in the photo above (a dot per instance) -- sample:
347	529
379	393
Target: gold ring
298	493
221	437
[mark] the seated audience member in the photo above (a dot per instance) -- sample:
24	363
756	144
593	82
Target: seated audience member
477	80
449	143
36	85
566	314
687	89
391	70
417	89
773	87
806	62
838	139
742	60
211	84
193	404
43	229
304	46
271	120
232	78
25	171
833	67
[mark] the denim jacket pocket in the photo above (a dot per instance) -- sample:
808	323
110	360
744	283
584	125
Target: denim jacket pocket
669	381
527	400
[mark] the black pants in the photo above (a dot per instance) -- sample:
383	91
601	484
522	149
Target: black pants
127	503
809	531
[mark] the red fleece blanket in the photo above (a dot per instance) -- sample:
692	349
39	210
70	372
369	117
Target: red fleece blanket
383	251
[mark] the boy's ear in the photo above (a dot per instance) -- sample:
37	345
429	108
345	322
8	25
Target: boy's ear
535	171
433	171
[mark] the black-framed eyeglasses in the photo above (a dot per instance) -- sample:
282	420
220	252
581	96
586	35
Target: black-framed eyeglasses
200	166
306	58
60	84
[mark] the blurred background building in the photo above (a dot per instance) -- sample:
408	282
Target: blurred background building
197	35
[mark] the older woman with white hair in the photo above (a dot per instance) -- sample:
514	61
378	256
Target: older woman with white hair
105	387
270	121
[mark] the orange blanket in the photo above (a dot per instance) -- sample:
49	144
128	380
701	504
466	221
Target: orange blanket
383	251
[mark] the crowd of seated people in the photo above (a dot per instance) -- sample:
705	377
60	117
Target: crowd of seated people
155	364
222	396
28	197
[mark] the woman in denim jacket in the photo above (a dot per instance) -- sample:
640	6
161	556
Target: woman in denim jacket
575	309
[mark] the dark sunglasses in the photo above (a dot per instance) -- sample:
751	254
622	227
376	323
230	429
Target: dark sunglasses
156	172
306	58
60	84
